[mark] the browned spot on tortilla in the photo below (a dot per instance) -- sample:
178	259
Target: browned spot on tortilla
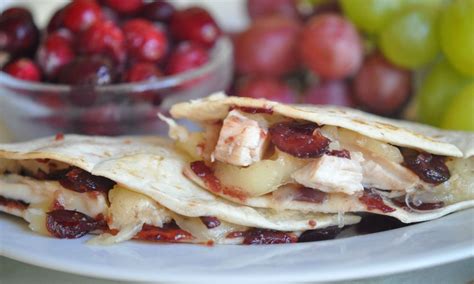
312	223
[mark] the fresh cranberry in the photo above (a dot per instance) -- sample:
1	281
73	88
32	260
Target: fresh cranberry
125	6
158	11
267	88
263	8
329	93
18	33
142	72
23	69
103	38
102	120
17	12
144	41
187	56
87	71
195	24
56	21
53	53
81	14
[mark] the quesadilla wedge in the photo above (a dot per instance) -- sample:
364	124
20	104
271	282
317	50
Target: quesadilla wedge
324	159
133	188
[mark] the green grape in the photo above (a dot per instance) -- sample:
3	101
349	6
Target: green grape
438	88
460	113
431	4
411	39
370	15
457	35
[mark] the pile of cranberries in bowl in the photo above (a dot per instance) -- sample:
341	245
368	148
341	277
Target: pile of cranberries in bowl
106	67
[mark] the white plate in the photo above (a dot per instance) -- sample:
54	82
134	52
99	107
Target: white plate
418	246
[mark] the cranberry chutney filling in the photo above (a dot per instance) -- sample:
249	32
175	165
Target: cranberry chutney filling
253	152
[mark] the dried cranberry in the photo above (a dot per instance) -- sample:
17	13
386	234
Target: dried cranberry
18	33
328	233
264	8
430	168
144	41
253	110
306	194
23	69
195	24
373	223
340	153
56	22
186	56
53	53
125	6
210	222
268	237
301	140
79	180
103	38
373	201
267	88
67	224
13	203
79	15
152	233
400	201
158	11
91	70
213	183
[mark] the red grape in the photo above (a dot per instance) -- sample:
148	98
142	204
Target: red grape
331	47
267	88
380	86
262	8
269	47
329	93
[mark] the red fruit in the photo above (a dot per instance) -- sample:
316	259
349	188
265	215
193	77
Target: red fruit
144	41
331	47
382	87
79	15
263	8
142	72
56	21
267	88
23	69
103	38
269	47
329	93
195	24
158	11
93	71
18	33
125	6
54	53
187	56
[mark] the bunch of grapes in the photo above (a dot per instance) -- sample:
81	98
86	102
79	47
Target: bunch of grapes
364	54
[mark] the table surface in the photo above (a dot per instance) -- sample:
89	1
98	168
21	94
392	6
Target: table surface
14	272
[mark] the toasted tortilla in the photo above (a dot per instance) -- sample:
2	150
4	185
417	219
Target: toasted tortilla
151	166
399	133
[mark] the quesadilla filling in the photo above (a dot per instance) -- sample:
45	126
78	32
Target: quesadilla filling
63	201
253	153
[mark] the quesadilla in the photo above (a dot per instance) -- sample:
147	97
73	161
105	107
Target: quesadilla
325	159
134	188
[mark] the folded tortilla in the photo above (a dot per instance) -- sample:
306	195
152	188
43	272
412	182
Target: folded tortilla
133	187
265	154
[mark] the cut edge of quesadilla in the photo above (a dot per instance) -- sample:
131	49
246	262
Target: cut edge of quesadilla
324	159
133	188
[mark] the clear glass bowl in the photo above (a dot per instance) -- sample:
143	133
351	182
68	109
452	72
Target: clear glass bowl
30	110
